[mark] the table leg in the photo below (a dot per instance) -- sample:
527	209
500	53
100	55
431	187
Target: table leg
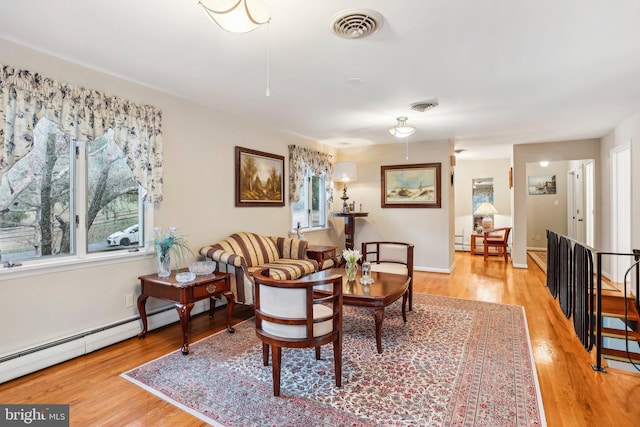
184	311
378	315
212	307
142	300
230	301
404	305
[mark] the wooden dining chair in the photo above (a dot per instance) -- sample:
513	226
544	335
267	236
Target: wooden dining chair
391	257
290	314
497	238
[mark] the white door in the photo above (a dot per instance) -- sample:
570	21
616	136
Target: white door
620	210
578	195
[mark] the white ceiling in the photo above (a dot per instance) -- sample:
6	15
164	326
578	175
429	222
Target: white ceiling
504	71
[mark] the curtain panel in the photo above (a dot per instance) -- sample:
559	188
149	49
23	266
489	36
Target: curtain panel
300	159
82	114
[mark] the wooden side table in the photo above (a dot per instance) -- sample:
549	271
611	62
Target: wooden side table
475	250
184	295
321	254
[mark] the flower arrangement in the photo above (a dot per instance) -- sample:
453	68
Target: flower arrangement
164	244
351	257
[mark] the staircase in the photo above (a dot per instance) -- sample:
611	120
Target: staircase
614	325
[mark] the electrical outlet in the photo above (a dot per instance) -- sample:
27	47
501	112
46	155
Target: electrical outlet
128	300
537	237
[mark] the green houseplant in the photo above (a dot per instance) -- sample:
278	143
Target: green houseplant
166	243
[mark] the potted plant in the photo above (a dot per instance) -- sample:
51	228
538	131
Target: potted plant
166	243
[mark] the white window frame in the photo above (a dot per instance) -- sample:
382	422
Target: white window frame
82	258
308	204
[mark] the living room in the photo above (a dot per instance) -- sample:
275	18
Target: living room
50	305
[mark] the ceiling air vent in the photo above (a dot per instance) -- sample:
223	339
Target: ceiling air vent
424	105
355	23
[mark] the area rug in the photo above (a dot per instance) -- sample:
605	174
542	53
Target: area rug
454	363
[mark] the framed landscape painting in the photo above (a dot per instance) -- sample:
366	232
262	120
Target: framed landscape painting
259	178
542	184
411	186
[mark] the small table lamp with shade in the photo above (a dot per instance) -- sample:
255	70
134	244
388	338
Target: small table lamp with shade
344	172
487	210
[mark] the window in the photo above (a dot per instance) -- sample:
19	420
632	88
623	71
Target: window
69	198
310	210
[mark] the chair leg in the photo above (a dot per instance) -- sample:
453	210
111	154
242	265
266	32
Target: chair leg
337	359
265	354
318	353
276	362
410	295
506	254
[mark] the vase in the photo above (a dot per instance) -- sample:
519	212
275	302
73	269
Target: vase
352	269
164	264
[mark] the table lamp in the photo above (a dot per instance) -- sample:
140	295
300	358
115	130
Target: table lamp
487	210
344	172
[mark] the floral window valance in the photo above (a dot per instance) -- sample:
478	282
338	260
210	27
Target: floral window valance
301	159
83	114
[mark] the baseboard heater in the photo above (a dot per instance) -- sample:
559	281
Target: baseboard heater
42	356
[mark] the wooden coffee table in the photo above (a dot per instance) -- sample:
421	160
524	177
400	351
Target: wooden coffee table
386	289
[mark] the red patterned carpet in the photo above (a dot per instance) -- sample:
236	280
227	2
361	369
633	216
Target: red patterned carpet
455	363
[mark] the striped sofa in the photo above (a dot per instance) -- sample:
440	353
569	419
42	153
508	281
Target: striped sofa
242	254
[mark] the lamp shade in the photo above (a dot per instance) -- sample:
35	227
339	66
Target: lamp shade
236	16
344	171
486	208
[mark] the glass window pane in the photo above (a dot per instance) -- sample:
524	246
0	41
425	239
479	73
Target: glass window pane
113	202
299	209
318	201
35	198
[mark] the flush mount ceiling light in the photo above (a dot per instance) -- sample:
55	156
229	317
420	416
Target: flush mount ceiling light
355	23
402	129
423	106
236	16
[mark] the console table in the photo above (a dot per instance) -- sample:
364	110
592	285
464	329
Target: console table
321	253
349	225
184	295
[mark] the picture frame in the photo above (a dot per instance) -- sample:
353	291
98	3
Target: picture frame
411	186
542	184
259	178
510	177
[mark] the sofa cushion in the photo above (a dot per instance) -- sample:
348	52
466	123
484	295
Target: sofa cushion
253	248
287	269
291	248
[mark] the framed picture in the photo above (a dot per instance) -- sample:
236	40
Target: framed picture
411	186
542	184
259	178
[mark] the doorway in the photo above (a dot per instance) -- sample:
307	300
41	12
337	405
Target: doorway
620	210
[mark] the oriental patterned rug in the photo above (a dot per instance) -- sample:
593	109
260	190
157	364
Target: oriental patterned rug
454	363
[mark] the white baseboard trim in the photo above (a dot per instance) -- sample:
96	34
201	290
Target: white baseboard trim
432	270
520	265
34	359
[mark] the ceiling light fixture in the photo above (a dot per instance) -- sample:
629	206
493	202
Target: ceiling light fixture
402	129
236	16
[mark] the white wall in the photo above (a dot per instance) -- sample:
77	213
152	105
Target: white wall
198	199
550	151
547	211
430	230
626	132
466	171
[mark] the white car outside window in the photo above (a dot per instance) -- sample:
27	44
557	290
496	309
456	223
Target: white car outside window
125	237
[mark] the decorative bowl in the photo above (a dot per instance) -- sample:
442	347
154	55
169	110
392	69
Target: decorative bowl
202	267
185	277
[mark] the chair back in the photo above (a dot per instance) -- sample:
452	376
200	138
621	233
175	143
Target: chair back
292	314
391	257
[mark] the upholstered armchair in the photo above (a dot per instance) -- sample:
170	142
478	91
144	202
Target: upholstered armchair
391	257
292	314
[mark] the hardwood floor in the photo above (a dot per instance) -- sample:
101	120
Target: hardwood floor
573	394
